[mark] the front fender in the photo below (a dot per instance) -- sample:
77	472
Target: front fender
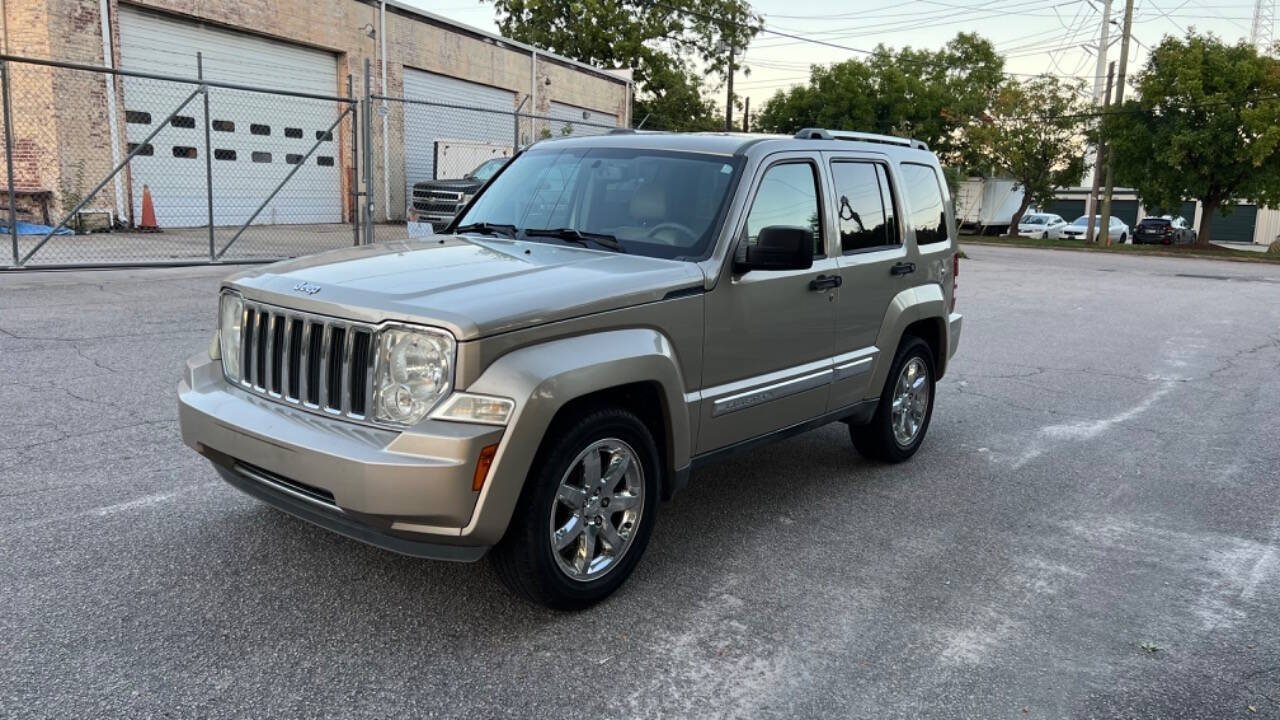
542	378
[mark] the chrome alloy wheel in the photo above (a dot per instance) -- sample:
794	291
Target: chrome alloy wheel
597	509
910	401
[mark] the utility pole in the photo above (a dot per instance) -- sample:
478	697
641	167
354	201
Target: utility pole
1101	155
1104	41
1124	62
1262	34
746	115
728	103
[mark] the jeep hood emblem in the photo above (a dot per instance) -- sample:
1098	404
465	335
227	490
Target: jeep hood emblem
306	287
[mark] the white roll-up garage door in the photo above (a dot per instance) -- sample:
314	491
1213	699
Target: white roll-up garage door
580	121
256	138
483	117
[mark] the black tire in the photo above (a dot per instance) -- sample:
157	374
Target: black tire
875	440
525	561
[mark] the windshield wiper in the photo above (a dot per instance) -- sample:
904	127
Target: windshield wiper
577	236
488	229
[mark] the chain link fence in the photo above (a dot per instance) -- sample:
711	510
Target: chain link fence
434	154
107	167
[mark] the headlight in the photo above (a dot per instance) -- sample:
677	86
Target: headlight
483	409
230	317
466	198
414	370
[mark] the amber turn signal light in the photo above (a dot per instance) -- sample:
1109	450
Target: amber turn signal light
482	466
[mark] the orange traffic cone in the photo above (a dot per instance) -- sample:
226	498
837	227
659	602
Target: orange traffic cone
148	223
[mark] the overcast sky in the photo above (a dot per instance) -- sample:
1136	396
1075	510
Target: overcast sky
1034	35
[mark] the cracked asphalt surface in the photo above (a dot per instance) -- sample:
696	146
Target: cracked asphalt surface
1091	530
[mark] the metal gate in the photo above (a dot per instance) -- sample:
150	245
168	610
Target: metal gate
114	167
436	151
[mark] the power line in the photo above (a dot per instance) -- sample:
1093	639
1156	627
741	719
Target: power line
801	38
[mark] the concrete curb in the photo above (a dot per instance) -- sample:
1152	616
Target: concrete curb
1148	253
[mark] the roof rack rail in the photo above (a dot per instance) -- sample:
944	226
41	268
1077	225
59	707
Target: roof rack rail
621	131
824	134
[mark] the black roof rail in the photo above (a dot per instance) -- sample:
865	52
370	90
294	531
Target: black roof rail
824	134
621	131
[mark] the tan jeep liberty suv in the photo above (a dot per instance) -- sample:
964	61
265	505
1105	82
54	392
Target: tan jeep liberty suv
605	316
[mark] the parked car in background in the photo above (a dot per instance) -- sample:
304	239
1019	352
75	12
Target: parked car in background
1080	227
608	314
438	201
1164	230
1041	226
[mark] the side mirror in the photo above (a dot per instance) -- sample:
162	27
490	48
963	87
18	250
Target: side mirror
779	247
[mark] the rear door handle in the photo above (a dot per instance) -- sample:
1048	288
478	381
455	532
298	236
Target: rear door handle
902	268
825	282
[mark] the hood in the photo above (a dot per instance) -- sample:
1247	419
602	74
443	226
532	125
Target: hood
472	287
457	184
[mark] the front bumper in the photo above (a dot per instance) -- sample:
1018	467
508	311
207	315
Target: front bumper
409	492
437	219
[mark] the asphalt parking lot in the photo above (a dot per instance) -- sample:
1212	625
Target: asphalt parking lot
1092	530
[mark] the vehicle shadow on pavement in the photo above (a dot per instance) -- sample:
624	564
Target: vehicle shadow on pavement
321	573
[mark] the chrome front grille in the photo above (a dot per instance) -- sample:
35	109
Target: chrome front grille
436	201
313	361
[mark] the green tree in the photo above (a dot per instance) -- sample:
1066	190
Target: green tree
672	99
672	46
929	95
1032	131
1205	125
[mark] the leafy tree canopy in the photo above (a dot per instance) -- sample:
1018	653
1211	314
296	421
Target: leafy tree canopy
1032	132
1205	124
668	44
924	94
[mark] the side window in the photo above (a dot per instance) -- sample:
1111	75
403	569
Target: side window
860	204
924	197
788	195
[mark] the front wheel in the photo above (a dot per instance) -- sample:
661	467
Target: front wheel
905	408
586	512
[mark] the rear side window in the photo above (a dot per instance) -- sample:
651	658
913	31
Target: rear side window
924	197
864	206
788	195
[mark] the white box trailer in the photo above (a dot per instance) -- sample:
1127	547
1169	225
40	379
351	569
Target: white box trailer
987	204
455	158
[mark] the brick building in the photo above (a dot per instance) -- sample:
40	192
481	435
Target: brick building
71	126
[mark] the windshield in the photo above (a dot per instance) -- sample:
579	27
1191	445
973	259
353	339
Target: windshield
488	168
1033	220
654	202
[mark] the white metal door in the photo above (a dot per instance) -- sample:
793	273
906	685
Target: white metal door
256	139
570	121
483	114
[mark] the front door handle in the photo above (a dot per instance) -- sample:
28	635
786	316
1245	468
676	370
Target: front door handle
902	268
825	282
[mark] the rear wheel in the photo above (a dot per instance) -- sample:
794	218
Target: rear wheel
586	512
906	405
